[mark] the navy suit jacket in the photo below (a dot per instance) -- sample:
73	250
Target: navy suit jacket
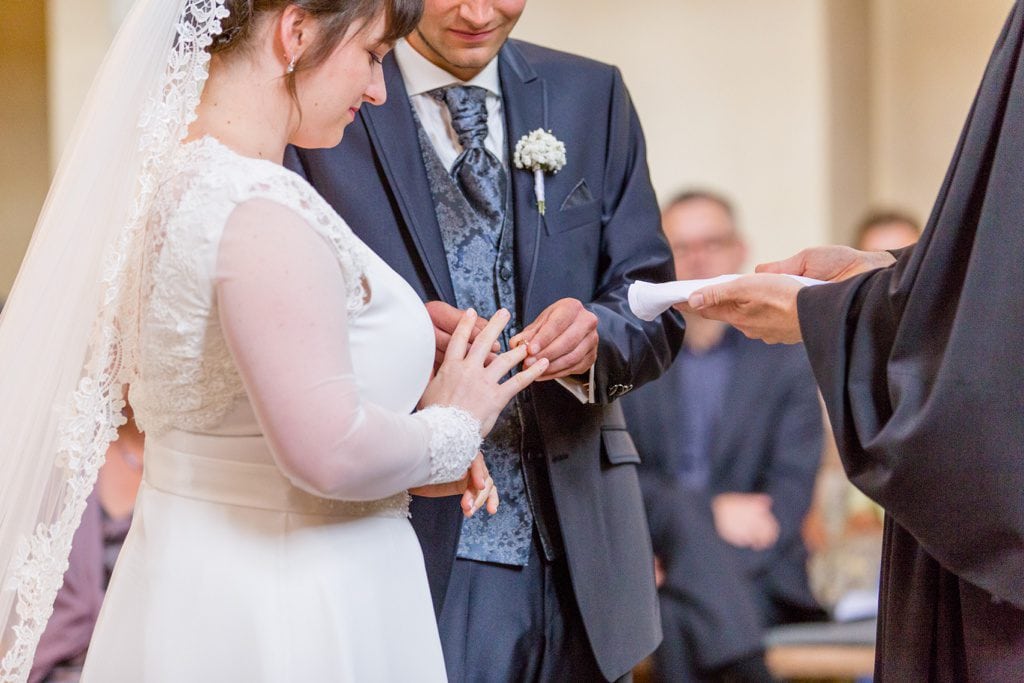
591	251
769	440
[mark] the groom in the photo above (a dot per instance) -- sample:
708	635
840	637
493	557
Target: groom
559	584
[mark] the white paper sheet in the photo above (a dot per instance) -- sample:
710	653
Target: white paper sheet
649	300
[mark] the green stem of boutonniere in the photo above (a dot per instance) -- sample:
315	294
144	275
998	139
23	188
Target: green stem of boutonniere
538	188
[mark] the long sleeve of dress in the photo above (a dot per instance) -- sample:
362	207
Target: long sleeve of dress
282	305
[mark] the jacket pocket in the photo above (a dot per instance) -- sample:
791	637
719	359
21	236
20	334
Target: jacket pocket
619	448
570	219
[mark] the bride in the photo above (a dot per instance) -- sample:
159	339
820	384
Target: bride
273	360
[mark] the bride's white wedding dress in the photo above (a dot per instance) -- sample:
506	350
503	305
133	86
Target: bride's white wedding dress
278	366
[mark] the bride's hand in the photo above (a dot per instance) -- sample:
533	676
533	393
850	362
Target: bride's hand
476	488
466	380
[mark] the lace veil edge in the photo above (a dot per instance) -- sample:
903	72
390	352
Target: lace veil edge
68	333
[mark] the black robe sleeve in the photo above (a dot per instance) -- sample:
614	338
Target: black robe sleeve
922	364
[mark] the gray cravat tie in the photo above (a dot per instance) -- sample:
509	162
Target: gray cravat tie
478	173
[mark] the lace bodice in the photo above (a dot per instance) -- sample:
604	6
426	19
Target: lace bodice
329	380
188	380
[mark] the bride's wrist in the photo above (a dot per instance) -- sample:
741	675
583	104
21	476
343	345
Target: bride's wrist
454	441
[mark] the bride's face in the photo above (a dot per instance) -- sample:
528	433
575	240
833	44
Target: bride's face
330	94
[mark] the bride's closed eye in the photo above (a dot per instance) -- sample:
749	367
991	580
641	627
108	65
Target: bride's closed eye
375	58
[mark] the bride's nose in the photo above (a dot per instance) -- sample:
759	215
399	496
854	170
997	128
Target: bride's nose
376	92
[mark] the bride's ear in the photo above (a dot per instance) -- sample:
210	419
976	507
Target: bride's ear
295	31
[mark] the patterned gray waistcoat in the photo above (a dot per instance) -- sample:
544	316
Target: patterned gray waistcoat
481	263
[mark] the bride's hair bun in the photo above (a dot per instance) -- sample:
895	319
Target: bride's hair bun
335	17
234	28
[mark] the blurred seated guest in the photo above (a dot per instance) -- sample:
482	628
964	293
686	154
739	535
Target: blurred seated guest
711	621
882	230
845	568
740	423
94	551
843	532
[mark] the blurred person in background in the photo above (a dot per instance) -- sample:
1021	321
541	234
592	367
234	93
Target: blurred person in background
737	424
94	551
918	356
885	229
846	525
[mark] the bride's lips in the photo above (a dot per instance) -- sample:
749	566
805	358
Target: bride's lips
473	36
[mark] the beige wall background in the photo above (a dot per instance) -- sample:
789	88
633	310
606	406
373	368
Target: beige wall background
24	160
804	111
928	57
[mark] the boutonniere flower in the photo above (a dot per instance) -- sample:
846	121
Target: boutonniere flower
540	152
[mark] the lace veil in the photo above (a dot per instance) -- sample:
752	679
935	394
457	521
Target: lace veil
69	329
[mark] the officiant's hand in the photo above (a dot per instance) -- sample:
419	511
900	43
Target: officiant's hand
466	380
831	263
476	488
761	306
565	333
445	318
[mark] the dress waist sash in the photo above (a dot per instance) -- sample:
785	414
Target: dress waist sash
240	471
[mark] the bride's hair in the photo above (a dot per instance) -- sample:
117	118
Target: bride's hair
334	17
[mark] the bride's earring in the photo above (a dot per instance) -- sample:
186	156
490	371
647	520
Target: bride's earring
291	66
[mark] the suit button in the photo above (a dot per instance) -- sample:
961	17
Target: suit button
505	273
619	390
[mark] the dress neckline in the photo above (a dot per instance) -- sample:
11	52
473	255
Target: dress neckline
209	142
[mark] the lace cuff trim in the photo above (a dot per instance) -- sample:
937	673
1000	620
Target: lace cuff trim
454	441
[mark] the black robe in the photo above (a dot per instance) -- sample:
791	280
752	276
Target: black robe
922	370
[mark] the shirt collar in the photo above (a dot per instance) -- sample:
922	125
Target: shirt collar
421	75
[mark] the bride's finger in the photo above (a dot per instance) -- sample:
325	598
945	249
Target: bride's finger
459	342
478	474
519	381
467	503
484	341
501	365
483	494
492	500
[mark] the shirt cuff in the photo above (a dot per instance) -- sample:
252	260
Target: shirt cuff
584	391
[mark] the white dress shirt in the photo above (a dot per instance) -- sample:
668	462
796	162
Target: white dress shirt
421	76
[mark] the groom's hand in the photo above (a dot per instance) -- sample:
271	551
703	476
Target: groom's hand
445	318
566	334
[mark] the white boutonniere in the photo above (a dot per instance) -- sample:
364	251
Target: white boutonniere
540	152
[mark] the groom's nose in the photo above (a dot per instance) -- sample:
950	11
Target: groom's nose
477	13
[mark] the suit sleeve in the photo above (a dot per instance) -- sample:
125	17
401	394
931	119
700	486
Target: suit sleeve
630	352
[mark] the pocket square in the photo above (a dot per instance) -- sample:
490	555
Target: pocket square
580	195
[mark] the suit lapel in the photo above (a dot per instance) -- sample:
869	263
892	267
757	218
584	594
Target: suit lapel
525	103
392	130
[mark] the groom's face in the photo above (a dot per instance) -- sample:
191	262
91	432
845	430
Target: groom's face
463	36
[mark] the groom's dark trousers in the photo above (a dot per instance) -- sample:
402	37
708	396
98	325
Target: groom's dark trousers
592	597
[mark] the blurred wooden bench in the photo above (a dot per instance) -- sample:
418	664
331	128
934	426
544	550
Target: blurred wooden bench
818	651
821	650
